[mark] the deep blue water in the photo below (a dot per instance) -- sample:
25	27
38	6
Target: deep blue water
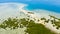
43	6
35	4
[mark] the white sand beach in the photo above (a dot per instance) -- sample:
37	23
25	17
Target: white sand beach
46	15
20	8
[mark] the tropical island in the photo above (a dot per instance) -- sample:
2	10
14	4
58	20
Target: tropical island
31	26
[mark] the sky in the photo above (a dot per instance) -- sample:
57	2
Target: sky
52	5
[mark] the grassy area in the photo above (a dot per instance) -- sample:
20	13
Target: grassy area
32	27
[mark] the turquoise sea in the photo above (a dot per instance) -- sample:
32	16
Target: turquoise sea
50	5
40	8
44	7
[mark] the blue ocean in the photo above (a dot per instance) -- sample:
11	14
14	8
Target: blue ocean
44	7
50	5
47	6
33	12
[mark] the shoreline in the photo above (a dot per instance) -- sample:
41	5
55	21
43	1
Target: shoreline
37	16
47	25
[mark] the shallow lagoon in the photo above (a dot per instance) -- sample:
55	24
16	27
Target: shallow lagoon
13	11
